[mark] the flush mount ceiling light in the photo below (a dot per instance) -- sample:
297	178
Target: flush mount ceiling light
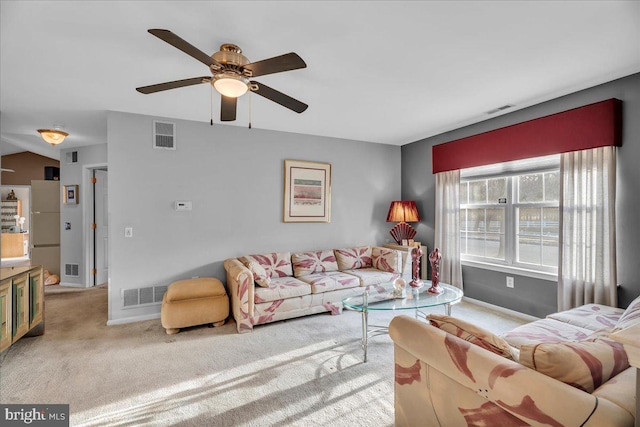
53	136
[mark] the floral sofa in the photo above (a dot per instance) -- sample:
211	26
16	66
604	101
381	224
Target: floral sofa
275	286
560	371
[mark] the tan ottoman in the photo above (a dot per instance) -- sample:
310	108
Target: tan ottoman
194	302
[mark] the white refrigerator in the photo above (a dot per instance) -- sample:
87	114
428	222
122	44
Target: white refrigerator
44	234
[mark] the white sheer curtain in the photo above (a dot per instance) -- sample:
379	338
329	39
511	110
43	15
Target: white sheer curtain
587	269
447	233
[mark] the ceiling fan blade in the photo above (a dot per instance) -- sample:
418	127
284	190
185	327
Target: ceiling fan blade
185	46
277	64
279	97
173	85
228	108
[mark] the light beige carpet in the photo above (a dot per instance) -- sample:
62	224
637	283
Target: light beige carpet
301	372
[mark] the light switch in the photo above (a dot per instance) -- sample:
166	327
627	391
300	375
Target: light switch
128	232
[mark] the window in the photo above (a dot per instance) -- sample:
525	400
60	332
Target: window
509	214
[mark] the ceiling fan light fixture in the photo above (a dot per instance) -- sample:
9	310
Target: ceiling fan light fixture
230	84
53	136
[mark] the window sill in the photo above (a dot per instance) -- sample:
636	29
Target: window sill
552	277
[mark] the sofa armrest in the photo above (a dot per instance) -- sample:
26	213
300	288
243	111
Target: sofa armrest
488	388
241	293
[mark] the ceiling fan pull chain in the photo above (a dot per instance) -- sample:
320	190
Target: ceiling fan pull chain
250	104
211	104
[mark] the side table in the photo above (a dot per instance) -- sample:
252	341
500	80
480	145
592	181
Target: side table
406	252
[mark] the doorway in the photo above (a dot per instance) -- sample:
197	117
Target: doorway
97	219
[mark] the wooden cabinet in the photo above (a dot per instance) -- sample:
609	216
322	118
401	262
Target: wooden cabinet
21	303
6	333
15	244
36	297
20	321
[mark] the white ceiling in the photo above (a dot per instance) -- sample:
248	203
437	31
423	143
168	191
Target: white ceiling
387	72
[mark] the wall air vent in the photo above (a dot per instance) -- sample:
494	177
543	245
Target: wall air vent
71	157
148	295
71	270
164	135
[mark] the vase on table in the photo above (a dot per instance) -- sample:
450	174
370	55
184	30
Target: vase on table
434	259
416	253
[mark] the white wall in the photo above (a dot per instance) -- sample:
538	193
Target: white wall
234	177
72	247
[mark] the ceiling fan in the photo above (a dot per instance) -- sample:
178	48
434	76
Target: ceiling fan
231	74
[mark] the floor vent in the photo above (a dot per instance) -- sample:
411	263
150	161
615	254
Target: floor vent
143	296
71	270
164	135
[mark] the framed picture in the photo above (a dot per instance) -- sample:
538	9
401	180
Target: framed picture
70	195
307	191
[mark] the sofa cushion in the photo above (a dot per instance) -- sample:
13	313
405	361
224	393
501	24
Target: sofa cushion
276	264
631	315
281	288
198	288
590	316
386	259
372	276
585	364
305	263
620	390
260	275
353	258
330	281
473	334
545	331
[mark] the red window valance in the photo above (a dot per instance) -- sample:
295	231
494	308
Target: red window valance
591	126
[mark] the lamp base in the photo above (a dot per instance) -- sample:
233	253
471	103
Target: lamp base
402	231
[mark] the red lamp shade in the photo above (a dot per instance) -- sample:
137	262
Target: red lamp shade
403	211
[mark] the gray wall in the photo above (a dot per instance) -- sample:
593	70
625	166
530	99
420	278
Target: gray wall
531	296
234	177
72	248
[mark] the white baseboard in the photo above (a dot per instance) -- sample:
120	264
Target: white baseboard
133	319
501	309
72	285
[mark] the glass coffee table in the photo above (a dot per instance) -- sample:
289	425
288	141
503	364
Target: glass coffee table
381	297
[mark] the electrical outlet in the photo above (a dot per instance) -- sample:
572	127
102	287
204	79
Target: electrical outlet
510	282
128	232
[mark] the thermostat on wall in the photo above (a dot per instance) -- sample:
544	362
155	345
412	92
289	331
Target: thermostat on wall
182	205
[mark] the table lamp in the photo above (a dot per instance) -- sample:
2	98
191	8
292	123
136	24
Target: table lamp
403	211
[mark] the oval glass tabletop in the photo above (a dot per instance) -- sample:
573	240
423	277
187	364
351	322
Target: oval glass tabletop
381	297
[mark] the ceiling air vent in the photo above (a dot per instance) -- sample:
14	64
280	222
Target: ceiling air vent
164	135
497	110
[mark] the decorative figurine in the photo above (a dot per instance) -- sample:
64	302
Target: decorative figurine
399	288
434	259
416	253
11	196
